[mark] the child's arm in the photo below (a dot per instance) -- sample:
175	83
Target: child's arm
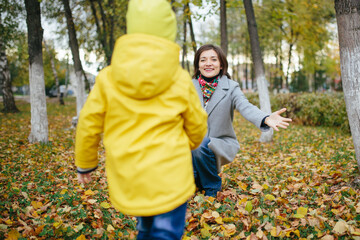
195	119
89	129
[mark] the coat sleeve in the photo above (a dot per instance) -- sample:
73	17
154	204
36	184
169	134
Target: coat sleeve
195	118
90	127
249	111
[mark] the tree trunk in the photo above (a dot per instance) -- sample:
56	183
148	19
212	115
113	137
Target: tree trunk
223	27
111	34
5	83
100	33
80	86
348	22
258	66
39	121
288	67
311	82
192	34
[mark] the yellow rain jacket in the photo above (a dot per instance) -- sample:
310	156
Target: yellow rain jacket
151	118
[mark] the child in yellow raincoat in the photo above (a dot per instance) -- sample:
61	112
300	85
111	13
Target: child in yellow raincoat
151	118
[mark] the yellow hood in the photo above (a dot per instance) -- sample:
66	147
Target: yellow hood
153	17
143	65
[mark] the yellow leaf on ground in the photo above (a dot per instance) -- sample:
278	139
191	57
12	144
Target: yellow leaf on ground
297	232
9	222
281	218
110	228
242	185
298	216
302	211
205	233
81	237
57	224
36	205
274	232
218	220
352	192
228	219
207	226
269	197
89	192
335	211
13	235
105	205
64	191
248	206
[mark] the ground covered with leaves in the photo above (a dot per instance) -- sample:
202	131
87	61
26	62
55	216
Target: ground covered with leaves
303	185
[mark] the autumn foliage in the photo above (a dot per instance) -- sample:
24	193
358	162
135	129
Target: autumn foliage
301	186
311	109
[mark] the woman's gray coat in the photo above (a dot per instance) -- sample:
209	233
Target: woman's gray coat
220	110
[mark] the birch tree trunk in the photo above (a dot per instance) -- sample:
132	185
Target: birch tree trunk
39	121
5	82
223	27
258	67
348	22
80	85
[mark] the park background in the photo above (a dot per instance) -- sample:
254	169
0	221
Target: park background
301	185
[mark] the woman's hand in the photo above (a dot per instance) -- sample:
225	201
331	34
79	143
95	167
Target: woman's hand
84	177
275	120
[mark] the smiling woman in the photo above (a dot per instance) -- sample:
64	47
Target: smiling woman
209	64
219	96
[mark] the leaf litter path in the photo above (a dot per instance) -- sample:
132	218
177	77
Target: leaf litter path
297	187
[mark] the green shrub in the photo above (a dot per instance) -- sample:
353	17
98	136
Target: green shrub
313	109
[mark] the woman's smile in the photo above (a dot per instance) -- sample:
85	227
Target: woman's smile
209	64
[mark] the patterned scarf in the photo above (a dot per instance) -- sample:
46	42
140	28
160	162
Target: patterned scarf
208	88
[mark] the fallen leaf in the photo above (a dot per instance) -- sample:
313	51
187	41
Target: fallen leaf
269	197
248	206
340	227
105	205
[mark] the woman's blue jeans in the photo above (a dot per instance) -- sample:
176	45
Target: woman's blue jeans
166	226
205	169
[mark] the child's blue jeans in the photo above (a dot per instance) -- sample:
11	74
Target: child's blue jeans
205	169
166	226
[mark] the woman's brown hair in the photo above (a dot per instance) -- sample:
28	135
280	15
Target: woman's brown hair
221	56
